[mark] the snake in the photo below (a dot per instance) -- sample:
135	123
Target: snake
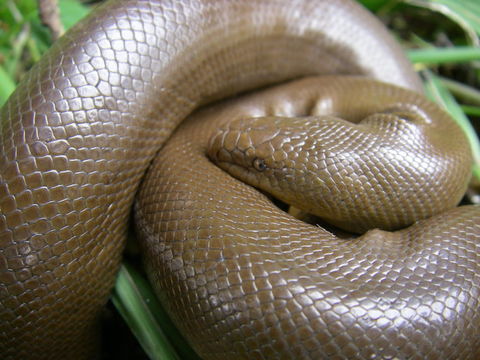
84	141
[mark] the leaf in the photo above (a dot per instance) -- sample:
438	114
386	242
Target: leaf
7	85
466	13
71	11
138	305
438	93
444	55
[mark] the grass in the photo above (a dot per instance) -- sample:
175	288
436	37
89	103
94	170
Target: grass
134	299
441	38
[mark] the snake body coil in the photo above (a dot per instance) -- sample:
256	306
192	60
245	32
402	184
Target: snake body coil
80	131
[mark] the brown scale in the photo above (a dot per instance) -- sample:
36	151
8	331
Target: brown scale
80	131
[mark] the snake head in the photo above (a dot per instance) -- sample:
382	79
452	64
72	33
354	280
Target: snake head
349	174
259	151
282	156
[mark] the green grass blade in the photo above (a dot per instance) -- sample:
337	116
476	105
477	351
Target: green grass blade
471	110
138	305
7	85
444	55
71	11
438	93
461	91
131	304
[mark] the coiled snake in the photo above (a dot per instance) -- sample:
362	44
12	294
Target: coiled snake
241	278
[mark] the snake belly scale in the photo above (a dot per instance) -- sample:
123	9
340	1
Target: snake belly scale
83	126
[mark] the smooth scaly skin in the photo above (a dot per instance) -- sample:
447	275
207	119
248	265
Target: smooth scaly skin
256	283
79	132
304	162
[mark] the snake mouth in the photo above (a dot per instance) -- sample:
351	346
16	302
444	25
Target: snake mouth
240	171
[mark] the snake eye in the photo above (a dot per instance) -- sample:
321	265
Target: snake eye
259	164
